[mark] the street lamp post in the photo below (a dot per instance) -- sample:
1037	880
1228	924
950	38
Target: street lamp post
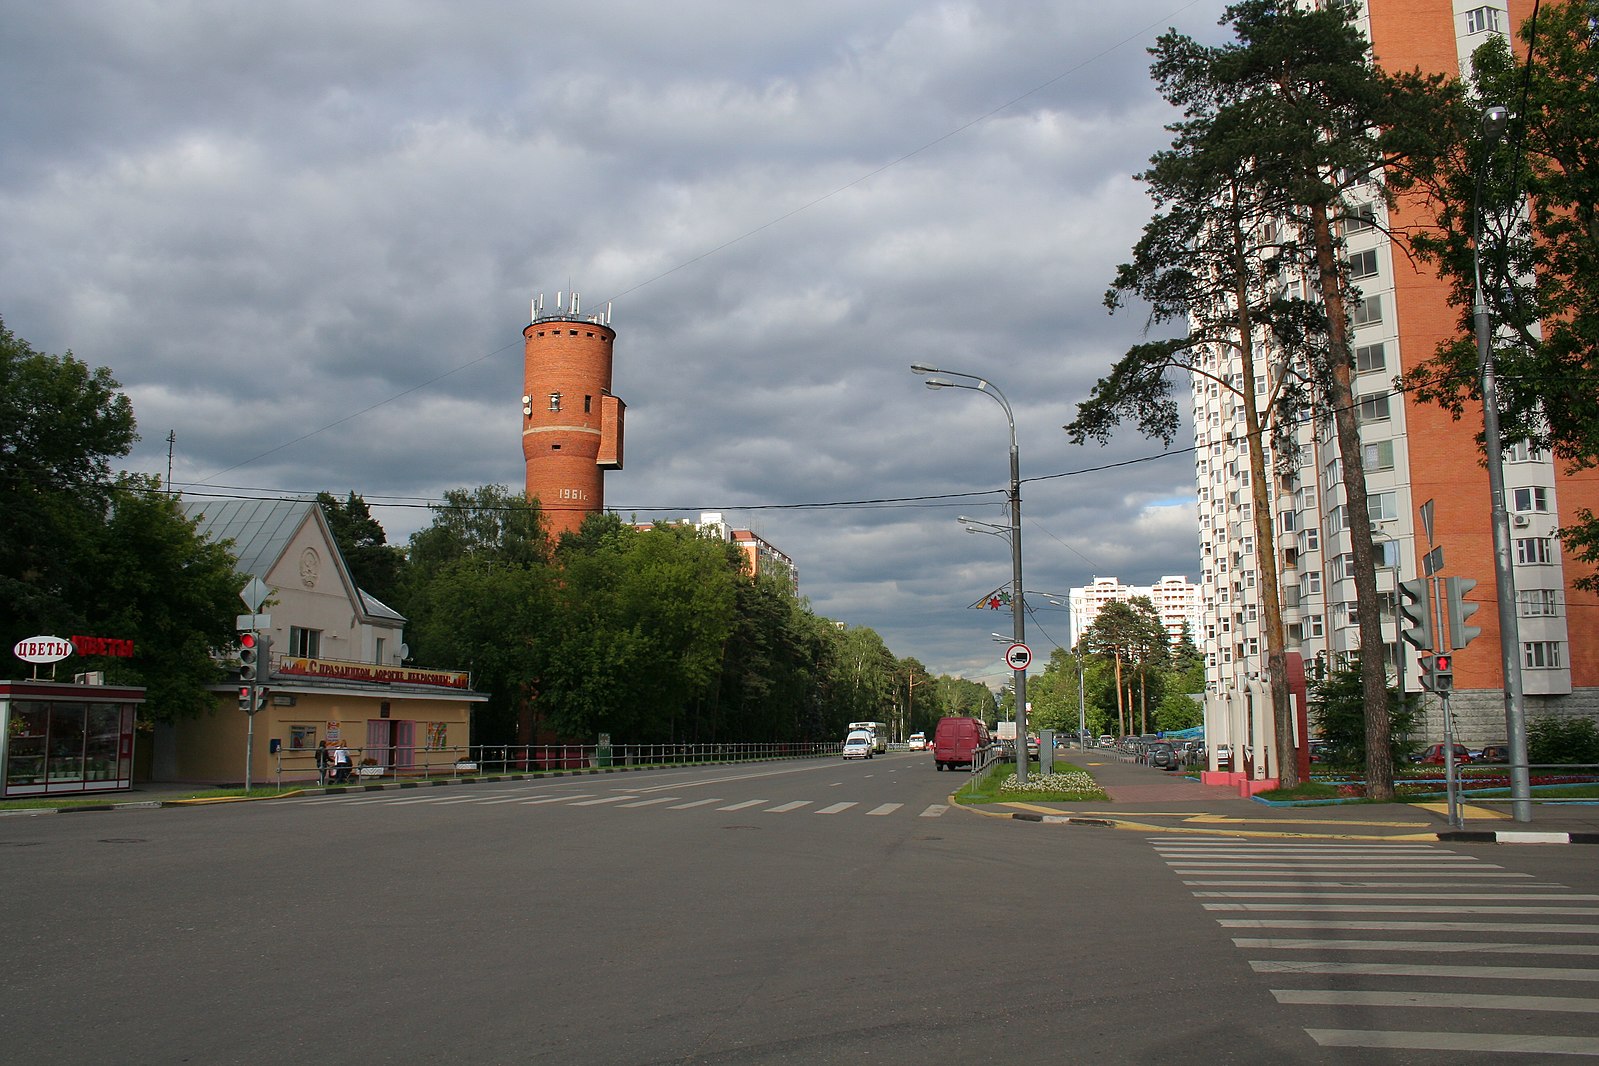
1494	121
1018	623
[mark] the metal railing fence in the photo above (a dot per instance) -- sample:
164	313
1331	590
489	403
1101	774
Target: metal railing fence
298	766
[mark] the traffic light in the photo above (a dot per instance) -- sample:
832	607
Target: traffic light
1415	614
1455	589
249	656
245	700
262	696
1438	673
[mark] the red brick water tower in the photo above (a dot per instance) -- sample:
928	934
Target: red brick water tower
571	423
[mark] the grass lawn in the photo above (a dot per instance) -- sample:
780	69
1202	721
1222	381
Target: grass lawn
1067	784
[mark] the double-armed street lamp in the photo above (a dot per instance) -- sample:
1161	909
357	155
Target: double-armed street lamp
1014	534
1494	121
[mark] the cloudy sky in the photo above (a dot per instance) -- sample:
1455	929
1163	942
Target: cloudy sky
304	237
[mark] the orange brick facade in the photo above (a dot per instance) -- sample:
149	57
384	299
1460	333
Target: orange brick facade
571	423
1445	464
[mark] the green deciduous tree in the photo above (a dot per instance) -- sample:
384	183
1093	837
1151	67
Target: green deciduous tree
86	550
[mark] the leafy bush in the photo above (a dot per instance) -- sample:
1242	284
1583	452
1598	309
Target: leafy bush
1562	740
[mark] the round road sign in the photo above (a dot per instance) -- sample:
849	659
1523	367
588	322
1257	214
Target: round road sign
1017	656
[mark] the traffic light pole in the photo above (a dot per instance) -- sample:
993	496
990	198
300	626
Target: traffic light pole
1451	785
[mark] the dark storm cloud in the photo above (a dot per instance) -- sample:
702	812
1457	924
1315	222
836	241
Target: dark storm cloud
305	238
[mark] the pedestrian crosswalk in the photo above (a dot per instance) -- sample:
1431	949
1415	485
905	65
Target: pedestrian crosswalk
1388	947
625	801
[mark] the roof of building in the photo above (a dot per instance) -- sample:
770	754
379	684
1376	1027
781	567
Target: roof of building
261	531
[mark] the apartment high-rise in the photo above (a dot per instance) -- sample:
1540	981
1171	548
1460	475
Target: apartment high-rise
1175	600
571	422
1413	455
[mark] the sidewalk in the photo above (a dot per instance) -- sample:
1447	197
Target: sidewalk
1142	797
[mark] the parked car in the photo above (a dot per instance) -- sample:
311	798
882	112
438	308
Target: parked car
1496	753
1224	756
1163	757
1434	755
1106	740
1032	747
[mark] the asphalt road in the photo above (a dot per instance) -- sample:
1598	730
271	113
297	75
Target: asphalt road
796	912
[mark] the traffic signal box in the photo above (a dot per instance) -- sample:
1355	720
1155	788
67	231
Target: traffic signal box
249	657
1415	614
1438	672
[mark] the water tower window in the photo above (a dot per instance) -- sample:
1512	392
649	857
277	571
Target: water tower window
588	404
555	401
555	447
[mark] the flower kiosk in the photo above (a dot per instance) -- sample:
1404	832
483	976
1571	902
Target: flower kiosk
59	738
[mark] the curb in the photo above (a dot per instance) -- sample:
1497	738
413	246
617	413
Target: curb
1515	836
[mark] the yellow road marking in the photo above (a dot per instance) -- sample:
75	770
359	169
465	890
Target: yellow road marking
1466	811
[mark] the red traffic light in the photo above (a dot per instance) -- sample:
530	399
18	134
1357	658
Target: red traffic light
246	640
1440	662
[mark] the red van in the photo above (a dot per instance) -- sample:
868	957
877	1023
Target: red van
957	741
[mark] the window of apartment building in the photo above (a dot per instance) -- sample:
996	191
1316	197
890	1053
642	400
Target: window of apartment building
1531	498
1363	264
1378	455
1522	451
1538	603
1343	567
1372	409
1246	546
1314	627
1332	474
1310	584
1482	20
1370	358
1362	218
1226	656
1260	384
1226	624
1535	550
1248	578
1338	519
1251	646
1542	654
1210	630
305	643
1312	539
377	650
1305	497
1367	311
1287	521
1383	506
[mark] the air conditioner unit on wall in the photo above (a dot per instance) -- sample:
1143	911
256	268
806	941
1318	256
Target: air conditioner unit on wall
1520	521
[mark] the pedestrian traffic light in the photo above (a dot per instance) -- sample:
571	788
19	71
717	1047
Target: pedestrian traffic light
246	702
1438	673
1415	614
1455	589
249	656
